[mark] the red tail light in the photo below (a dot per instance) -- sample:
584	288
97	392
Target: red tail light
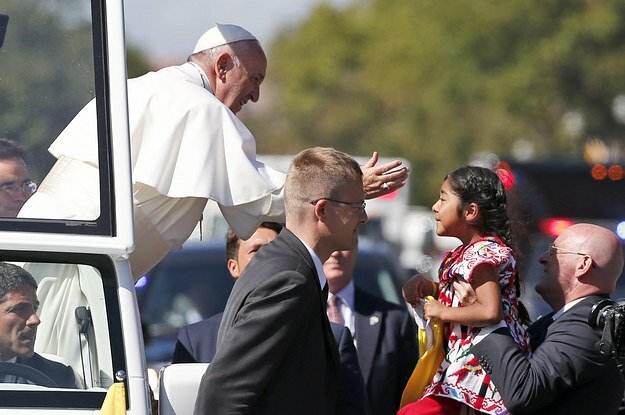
554	226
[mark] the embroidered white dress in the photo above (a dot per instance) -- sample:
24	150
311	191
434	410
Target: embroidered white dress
460	375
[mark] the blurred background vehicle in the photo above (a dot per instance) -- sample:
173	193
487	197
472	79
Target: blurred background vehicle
193	283
550	196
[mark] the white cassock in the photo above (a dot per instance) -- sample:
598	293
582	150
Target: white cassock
186	147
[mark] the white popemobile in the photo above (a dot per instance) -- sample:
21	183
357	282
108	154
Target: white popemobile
55	57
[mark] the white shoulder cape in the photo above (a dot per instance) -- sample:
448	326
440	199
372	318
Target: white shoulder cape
184	141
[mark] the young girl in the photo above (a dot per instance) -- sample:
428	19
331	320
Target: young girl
472	208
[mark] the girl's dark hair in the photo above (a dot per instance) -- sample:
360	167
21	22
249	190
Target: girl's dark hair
482	186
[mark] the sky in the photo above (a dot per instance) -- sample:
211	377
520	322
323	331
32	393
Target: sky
166	30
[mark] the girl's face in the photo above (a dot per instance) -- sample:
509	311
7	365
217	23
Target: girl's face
448	212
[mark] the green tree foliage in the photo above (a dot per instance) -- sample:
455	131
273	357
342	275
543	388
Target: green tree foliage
46	73
39	89
136	62
436	82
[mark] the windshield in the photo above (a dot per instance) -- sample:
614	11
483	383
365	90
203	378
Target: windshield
51	67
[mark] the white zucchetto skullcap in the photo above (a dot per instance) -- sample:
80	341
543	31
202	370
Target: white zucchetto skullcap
222	34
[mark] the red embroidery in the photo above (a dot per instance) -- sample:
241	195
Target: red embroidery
460	376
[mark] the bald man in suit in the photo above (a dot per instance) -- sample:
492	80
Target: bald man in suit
565	373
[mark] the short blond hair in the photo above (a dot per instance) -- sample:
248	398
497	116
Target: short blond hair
318	172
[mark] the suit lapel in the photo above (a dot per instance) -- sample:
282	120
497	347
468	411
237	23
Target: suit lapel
538	330
368	327
297	245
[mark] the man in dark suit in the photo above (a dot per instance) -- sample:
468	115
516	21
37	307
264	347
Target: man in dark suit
18	330
197	342
352	398
276	353
384	333
565	374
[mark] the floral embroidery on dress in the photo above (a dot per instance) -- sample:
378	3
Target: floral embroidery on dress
460	376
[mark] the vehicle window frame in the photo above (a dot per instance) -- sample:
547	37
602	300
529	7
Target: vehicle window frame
105	224
73	398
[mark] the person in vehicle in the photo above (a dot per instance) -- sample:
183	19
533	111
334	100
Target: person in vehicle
15	183
385	333
187	146
197	342
18	329
275	351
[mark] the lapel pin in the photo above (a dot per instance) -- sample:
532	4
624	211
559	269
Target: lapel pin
373	320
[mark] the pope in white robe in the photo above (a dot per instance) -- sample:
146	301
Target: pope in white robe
186	147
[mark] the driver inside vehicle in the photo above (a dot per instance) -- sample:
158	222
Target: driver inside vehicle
18	329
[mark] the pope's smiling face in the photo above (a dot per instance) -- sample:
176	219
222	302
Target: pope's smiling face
18	323
239	83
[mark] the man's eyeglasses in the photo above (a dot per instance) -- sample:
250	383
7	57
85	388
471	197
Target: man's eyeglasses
29	187
360	206
553	249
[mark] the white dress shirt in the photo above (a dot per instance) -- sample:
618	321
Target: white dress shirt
566	307
347	307
318	265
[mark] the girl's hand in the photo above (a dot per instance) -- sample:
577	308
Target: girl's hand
416	288
433	310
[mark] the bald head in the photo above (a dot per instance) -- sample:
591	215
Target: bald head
584	260
603	247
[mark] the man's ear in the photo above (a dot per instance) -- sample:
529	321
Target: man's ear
233	267
583	266
222	65
320	209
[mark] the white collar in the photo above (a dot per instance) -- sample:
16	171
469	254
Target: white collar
317	262
566	307
205	82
